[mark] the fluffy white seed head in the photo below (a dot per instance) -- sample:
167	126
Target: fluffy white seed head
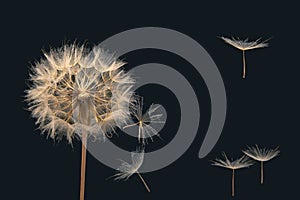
75	90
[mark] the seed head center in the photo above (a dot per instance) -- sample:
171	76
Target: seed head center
83	94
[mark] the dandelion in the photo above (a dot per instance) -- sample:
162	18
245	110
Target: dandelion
144	120
77	93
262	155
245	45
233	165
126	170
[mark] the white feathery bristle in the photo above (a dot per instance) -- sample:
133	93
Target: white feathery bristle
126	170
261	154
239	163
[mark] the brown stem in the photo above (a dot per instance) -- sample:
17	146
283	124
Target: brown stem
83	166
244	65
84	118
261	172
232	183
144	182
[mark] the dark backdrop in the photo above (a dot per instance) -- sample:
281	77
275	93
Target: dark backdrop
262	109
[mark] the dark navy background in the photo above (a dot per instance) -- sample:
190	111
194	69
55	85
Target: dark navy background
262	109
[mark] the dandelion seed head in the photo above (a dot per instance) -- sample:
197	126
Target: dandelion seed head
242	162
76	90
261	154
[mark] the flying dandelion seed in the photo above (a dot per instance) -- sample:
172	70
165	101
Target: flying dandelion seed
233	165
262	155
244	45
77	93
126	170
144	120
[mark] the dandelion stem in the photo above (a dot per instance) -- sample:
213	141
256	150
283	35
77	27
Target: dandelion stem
84	119
244	65
261	172
232	183
83	166
144	182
